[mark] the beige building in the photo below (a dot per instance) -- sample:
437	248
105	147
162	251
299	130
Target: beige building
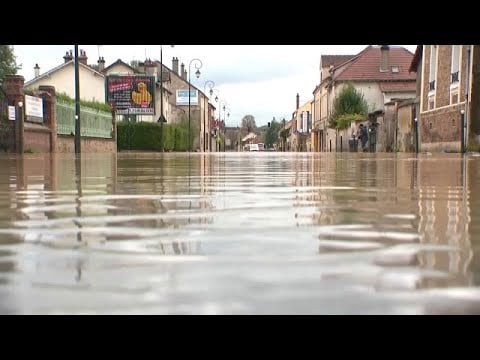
62	77
302	126
381	74
92	88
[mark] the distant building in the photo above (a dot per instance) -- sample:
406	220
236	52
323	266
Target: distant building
380	73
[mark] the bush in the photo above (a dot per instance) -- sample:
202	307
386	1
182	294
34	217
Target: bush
147	136
343	121
91	104
349	102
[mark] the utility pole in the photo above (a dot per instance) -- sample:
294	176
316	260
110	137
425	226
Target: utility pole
77	103
161	118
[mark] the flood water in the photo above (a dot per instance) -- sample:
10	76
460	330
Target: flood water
240	233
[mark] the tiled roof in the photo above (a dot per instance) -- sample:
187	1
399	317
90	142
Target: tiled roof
416	59
118	62
334	60
366	66
398	86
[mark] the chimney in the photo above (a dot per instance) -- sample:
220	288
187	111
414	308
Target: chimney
384	50
298	100
150	68
101	64
36	69
82	57
68	56
182	69
185	75
175	65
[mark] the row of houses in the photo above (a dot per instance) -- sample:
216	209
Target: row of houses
426	101
92	88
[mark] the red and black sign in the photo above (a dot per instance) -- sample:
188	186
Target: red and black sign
131	94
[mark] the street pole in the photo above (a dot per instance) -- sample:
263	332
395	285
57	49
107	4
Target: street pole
197	73
212	84
161	119
462	142
77	103
20	127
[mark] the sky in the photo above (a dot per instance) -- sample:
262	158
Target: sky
258	80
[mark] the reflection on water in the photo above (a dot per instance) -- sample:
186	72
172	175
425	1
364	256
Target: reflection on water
240	233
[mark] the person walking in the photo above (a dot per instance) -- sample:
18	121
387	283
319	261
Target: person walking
363	136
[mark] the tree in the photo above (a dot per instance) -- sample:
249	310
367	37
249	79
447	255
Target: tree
349	105
271	135
8	64
248	123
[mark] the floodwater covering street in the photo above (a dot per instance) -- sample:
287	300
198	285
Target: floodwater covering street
240	233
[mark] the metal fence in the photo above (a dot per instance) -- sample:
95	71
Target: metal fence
94	123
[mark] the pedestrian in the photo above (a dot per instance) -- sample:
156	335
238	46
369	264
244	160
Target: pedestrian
363	136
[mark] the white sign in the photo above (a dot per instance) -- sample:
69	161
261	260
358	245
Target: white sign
11	112
33	108
182	97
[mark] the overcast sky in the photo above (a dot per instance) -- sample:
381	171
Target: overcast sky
260	80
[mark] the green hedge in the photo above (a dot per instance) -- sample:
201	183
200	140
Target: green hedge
147	136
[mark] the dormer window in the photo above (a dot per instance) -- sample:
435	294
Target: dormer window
395	69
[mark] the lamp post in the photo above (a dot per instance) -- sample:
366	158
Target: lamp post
221	105
161	118
211	85
198	65
20	127
463	132
77	103
225	126
216	92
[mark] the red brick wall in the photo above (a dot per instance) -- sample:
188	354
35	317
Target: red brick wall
445	125
442	83
36	140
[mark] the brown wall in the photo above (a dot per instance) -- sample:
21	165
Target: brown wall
441	126
36	140
442	83
66	144
405	141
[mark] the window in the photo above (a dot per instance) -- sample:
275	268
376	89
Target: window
395	69
455	63
433	63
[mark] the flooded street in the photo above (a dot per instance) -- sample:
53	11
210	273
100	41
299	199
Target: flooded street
240	233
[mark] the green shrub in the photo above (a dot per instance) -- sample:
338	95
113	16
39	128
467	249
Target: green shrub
91	104
147	136
343	121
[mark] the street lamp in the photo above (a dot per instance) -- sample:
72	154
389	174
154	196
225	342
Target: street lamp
216	92
225	126
221	105
211	85
161	118
198	65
